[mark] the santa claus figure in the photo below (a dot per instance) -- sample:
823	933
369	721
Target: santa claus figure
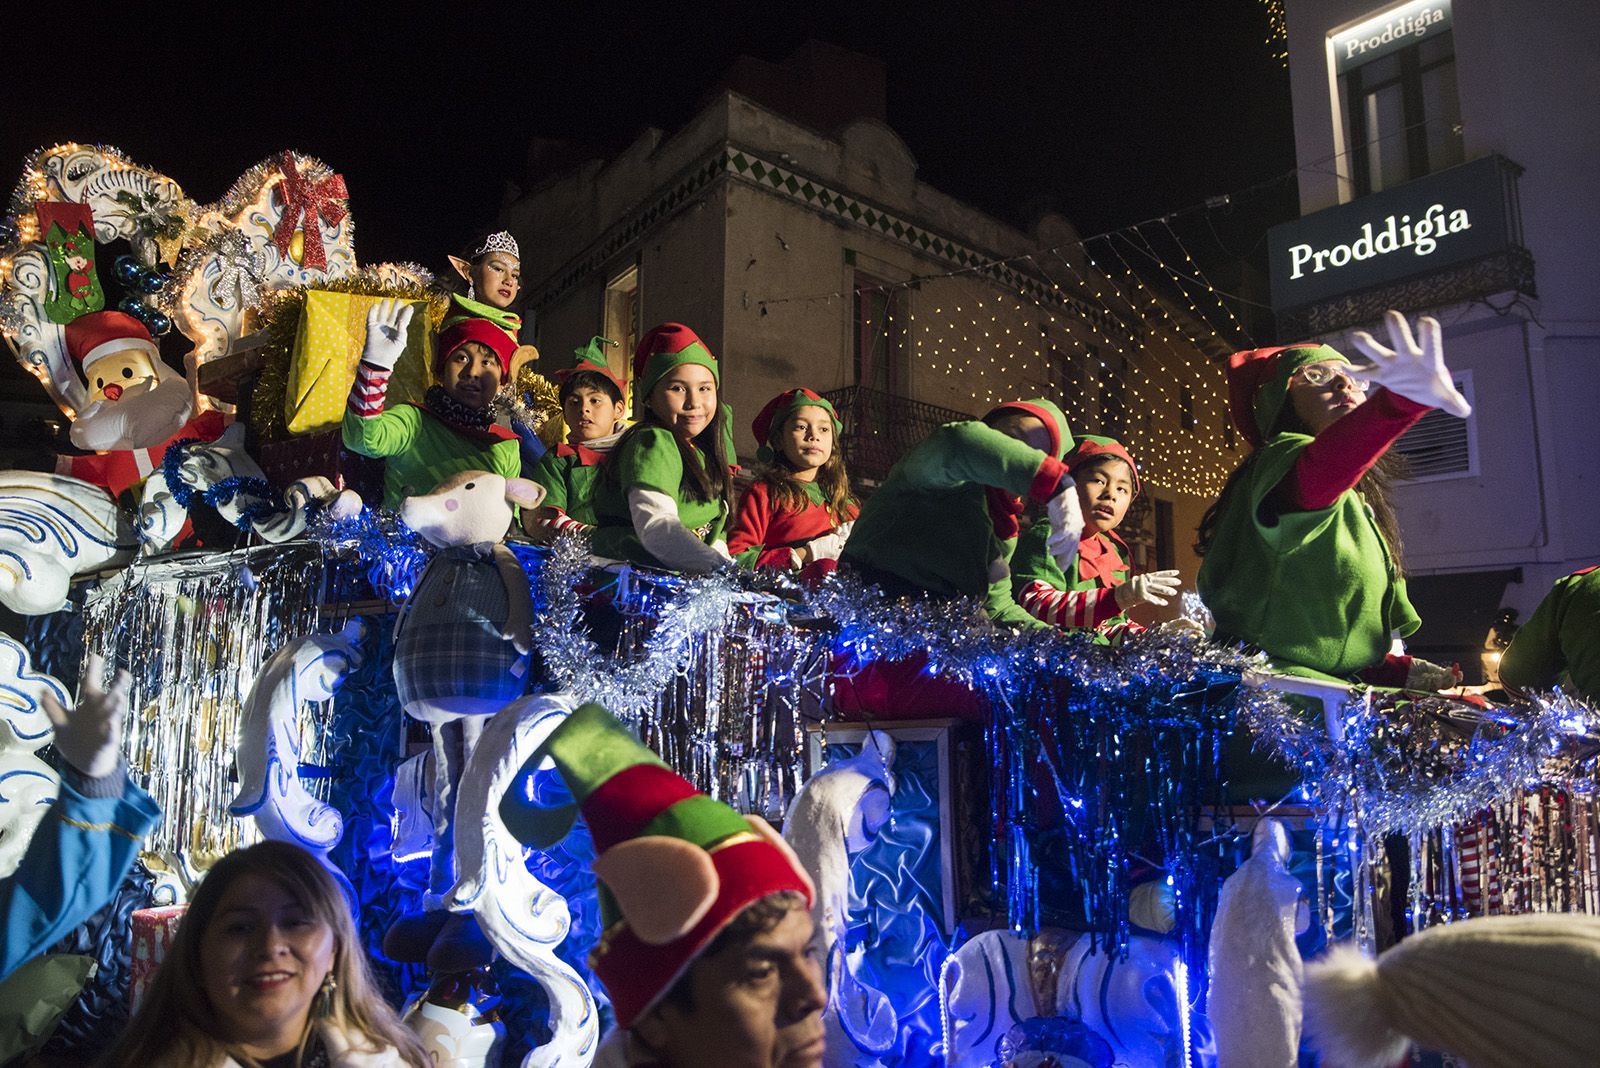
137	404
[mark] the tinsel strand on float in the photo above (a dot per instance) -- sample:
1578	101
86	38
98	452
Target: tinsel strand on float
194	632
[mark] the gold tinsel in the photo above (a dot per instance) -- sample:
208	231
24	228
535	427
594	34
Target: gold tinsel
280	321
535	401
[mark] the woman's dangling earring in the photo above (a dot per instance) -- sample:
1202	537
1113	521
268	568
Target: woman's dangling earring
472	292
325	996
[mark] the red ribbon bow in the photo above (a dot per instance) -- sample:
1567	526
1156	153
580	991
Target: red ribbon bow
314	202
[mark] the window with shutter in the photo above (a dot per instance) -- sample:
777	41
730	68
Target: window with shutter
1440	445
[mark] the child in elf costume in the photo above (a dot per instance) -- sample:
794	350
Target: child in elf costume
662	495
1302	548
1102	586
592	410
453	429
493	273
1562	637
798	511
945	521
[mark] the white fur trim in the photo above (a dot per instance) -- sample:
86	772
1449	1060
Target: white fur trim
122	344
1344	1012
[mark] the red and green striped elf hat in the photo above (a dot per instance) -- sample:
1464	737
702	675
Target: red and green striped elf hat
1047	412
674	866
660	350
1094	446
779	409
592	357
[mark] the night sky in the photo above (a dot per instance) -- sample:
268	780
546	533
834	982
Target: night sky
1108	113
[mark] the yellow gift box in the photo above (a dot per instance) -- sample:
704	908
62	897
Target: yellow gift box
327	348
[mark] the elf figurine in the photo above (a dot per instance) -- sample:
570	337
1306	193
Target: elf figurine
1102	586
798	512
662	495
592	410
1302	550
945	521
453	429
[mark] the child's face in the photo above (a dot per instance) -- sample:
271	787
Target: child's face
807	441
497	278
471	374
590	414
1322	392
1104	493
685	401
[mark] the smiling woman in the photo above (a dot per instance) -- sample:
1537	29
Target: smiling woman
266	970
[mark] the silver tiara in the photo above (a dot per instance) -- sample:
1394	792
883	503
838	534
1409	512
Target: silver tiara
498	242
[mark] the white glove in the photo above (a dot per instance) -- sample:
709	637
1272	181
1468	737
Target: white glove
1416	372
827	546
1066	524
90	737
1152	587
1182	627
387	322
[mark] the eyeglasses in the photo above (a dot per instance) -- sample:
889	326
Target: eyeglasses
1318	375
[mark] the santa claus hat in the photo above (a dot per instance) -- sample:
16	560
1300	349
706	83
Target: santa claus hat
662	349
95	336
1047	412
1258	385
780	408
484	332
674	866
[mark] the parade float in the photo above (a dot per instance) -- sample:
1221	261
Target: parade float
1072	876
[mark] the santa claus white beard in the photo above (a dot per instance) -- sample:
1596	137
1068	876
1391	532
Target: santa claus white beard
136	420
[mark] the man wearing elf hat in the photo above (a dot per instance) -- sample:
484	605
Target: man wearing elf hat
708	948
137	405
945	521
592	410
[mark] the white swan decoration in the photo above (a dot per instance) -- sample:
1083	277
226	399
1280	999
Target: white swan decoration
28	786
524	918
53	527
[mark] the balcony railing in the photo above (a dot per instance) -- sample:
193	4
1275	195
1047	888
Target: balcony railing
879	428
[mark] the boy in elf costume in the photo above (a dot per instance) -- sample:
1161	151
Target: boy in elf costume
592	410
945	521
706	950
1102	586
453	429
1561	637
662	495
798	512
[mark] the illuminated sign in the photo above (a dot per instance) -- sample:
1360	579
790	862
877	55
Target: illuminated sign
1389	32
1433	222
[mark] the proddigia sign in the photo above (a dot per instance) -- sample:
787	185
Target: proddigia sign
1433	222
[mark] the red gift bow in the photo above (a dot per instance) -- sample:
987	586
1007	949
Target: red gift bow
313	201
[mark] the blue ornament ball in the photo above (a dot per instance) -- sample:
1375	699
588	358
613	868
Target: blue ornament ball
127	271
151	279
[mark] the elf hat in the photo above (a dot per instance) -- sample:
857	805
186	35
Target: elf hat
1258	385
674	866
1054	419
1092	446
663	348
100	334
482	331
778	411
592	357
1495	990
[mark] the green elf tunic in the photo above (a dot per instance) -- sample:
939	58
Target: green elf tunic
930	524
568	473
1562	635
421	450
1084	602
1318	590
649	460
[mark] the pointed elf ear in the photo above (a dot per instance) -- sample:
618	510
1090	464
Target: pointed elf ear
663	886
773	838
463	267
